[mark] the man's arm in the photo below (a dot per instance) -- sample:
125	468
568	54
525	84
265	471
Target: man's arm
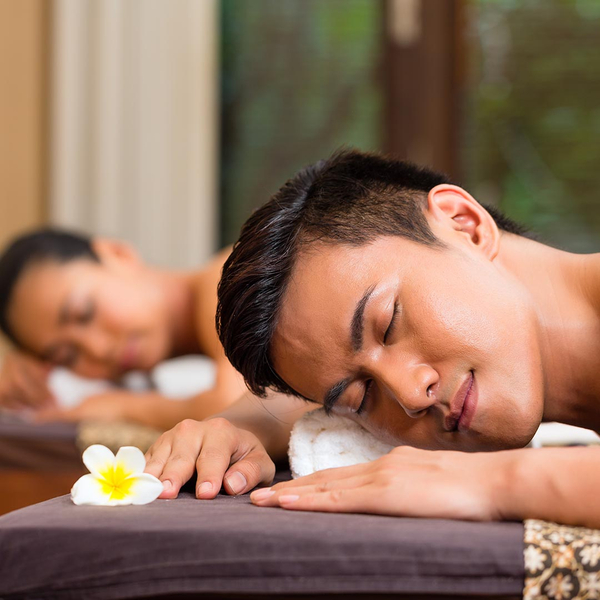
270	419
553	484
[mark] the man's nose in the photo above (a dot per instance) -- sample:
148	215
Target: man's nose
413	386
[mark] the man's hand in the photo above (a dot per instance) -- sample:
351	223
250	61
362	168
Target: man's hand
222	455
23	383
406	482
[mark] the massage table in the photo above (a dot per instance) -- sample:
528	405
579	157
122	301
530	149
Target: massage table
228	548
224	548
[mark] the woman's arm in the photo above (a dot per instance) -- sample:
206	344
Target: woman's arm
24	382
145	408
554	484
270	420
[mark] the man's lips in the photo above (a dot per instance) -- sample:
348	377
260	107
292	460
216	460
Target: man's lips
462	406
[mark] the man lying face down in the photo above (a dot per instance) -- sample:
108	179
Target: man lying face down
381	292
385	294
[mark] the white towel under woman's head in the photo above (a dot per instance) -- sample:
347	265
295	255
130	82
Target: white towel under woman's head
319	441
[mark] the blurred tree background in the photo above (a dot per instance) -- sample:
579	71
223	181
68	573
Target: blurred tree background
299	79
531	114
302	78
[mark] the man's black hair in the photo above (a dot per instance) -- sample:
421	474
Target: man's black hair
32	248
352	198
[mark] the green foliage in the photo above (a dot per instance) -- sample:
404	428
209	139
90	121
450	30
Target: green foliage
299	79
532	123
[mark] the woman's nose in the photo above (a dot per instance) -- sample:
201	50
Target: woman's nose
414	387
97	346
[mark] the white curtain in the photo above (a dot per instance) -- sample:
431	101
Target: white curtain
134	124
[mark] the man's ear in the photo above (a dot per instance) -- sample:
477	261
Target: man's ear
455	210
115	252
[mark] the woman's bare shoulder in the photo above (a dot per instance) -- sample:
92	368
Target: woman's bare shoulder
204	283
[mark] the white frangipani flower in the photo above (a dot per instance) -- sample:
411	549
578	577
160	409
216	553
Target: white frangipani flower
115	480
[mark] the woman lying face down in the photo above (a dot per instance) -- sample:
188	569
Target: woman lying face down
387	295
94	306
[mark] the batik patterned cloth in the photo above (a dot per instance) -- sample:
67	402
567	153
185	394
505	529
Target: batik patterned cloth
561	562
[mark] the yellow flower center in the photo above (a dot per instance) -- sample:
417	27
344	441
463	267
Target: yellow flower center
116	483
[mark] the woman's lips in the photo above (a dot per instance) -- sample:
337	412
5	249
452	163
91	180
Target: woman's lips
129	356
463	406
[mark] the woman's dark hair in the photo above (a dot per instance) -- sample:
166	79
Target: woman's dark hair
33	248
352	198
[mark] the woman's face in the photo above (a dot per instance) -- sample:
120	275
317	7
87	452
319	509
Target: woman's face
434	348
98	319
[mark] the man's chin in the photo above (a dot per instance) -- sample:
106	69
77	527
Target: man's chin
512	441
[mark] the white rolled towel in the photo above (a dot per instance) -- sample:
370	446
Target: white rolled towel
319	441
176	378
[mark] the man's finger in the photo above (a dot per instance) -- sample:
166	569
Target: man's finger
216	455
157	456
271	496
325	475
181	463
357	500
256	468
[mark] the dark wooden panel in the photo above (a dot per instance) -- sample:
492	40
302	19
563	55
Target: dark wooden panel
22	488
423	69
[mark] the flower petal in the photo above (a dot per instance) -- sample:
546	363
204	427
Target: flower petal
98	459
131	460
88	490
145	489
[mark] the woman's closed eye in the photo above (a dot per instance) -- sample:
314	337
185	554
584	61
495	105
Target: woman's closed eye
87	314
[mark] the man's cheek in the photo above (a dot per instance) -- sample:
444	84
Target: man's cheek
385	424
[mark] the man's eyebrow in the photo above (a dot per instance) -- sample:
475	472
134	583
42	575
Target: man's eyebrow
333	395
357	326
